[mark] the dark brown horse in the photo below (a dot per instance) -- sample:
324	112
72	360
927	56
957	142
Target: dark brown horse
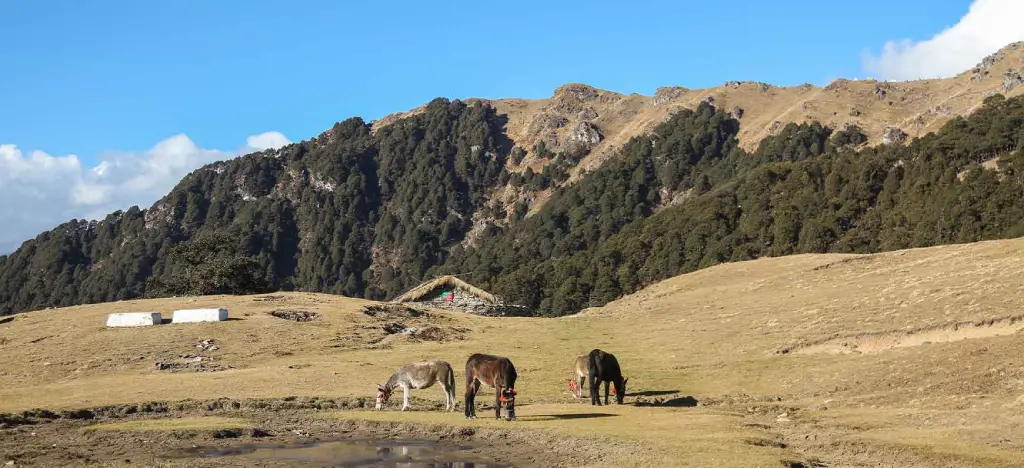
496	372
603	367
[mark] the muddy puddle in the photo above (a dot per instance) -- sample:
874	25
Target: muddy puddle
355	453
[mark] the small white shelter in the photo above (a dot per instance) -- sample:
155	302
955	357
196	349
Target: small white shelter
134	319
199	315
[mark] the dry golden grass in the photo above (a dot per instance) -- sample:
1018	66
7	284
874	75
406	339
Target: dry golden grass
715	335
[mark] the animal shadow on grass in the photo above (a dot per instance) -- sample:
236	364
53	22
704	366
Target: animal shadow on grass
678	402
648	393
563	417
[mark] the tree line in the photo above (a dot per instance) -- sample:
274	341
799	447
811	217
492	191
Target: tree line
370	214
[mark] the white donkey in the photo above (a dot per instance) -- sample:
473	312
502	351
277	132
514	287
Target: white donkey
580	372
419	375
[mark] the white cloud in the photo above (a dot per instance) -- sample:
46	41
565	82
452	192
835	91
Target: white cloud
268	140
988	26
39	191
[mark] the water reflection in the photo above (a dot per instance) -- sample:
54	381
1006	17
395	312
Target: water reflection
356	453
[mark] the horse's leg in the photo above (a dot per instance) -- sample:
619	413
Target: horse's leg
497	402
471	391
580	389
595	395
445	389
405	398
606	385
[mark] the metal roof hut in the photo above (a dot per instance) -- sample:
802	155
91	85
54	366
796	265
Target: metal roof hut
451	293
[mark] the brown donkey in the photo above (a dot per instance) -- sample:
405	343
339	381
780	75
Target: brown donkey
496	372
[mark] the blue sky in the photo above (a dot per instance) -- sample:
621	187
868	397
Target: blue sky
85	77
107	104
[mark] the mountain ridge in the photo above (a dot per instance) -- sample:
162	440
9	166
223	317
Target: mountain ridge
370	209
914	107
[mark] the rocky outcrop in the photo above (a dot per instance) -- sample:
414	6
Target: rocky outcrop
578	91
585	134
668	94
587	114
894	136
1012	78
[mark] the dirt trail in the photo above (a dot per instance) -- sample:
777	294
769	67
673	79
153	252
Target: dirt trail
868	343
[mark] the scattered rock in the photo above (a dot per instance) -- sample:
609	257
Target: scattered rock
880	92
391	310
893	136
775	127
227	434
295	315
257	433
392	328
710	100
438	334
737	112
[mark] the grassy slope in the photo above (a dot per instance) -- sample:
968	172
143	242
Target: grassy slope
712	335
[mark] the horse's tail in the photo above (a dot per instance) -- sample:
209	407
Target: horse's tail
451	377
592	368
592	364
511	375
469	373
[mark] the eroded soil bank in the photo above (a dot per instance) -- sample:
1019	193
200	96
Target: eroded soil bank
146	435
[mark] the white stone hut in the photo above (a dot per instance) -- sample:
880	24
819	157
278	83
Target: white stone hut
450	293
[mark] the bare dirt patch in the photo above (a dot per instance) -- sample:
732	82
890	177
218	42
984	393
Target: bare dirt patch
868	343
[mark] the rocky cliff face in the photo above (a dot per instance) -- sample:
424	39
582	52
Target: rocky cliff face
602	121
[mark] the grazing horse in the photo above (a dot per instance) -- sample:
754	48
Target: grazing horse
496	372
603	367
581	369
419	375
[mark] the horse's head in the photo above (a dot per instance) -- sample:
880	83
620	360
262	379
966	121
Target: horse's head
508	402
620	391
383	394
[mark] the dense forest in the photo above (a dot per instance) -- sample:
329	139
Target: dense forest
371	214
